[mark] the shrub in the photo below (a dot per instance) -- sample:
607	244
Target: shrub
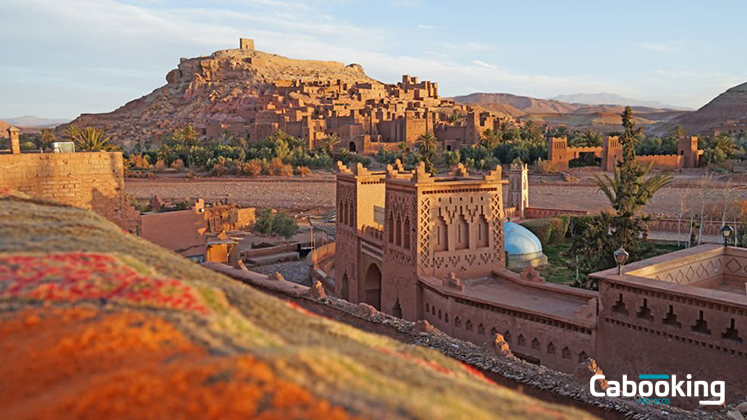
286	170
263	224
275	167
160	165
280	224
219	169
178	165
566	224
283	225
559	229
545	167
542	229
252	168
577	225
139	162
302	170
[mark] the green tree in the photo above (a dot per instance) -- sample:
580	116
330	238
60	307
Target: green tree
561	131
93	139
187	137
591	138
628	190
531	131
46	138
283	225
720	148
490	139
329	143
427	144
263	224
402	146
677	132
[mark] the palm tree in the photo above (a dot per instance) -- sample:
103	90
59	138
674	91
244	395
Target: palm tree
402	146
330	143
188	136
490	139
72	132
613	189
93	139
591	138
724	143
561	131
46	138
531	131
427	144
508	130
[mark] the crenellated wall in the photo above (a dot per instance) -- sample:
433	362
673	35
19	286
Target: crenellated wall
560	155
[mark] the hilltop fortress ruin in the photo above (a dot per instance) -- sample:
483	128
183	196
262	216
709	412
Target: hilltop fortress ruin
251	94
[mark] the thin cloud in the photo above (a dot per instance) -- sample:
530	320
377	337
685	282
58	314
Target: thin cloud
484	64
658	47
149	40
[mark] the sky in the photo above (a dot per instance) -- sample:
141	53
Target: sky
61	58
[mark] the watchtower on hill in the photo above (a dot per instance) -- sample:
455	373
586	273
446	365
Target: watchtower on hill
246	44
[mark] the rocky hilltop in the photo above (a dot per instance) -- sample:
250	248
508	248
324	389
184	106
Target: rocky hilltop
212	89
728	107
4	126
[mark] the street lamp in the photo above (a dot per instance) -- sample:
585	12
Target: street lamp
726	231
621	255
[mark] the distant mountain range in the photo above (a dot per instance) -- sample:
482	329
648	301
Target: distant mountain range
603	117
34	121
613	99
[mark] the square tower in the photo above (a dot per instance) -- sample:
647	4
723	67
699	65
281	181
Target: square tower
246	44
518	188
435	226
688	151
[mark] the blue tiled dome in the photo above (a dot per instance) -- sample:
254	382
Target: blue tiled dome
519	240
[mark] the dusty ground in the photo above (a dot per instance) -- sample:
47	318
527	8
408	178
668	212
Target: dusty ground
310	193
317	192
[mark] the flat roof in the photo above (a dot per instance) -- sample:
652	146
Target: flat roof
531	298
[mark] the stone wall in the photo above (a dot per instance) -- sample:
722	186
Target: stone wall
560	155
666	314
710	227
541	213
661	161
538	337
90	180
180	231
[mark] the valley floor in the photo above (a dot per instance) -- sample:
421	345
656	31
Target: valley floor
316	192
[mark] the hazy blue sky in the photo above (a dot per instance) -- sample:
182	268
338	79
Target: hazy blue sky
60	58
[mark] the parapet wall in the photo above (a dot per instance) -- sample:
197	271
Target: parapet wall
90	180
661	161
541	213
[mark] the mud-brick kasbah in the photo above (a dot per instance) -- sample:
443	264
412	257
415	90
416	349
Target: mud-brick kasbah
429	247
426	247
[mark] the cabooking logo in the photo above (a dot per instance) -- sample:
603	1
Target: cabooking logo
662	387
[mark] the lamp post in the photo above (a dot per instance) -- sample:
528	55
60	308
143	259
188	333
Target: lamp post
621	255
726	231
